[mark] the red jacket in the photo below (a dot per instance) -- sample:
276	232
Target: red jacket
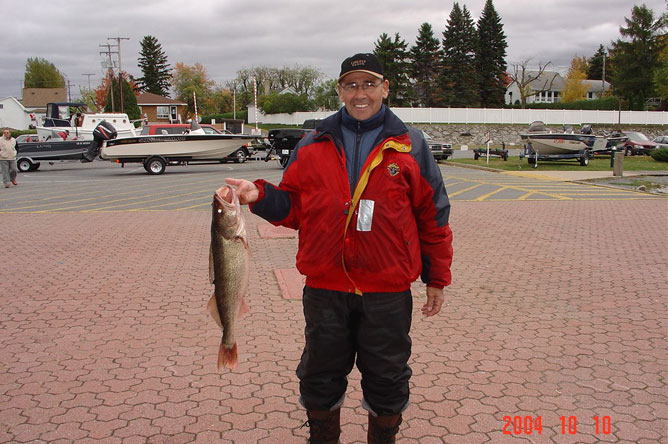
409	233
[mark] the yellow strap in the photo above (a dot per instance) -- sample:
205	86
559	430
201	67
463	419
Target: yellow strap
361	185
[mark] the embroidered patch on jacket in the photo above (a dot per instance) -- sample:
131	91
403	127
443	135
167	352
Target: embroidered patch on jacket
393	169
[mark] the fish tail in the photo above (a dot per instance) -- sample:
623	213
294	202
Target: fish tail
227	357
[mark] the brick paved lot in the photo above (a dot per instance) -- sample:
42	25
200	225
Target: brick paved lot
558	309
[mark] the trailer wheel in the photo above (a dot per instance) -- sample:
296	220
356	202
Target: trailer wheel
584	160
155	165
475	155
505	156
24	165
240	155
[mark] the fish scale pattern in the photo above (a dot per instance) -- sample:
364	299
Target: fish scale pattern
558	309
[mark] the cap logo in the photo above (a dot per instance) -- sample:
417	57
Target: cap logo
358	62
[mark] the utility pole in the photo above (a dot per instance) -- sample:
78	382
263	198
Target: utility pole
120	69
603	79
69	91
109	52
88	75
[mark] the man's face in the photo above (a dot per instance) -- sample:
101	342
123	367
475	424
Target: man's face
361	103
6	134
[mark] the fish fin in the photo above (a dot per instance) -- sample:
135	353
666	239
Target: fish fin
211	279
212	307
227	357
243	308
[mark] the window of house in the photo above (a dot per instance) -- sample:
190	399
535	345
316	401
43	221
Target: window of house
590	95
162	112
2	105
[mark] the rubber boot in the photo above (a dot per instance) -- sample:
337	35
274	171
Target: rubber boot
383	429
324	425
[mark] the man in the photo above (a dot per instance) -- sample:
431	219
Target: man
372	212
8	158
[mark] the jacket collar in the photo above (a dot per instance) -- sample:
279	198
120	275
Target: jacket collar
392	125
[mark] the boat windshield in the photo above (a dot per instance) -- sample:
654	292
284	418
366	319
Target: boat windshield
636	136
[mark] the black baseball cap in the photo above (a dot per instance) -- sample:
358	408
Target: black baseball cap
366	62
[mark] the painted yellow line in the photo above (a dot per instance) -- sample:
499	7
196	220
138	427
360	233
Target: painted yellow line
485	196
526	196
465	190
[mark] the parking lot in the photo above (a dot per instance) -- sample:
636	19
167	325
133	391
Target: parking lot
557	316
103	186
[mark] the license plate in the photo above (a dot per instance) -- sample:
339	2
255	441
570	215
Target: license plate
285	152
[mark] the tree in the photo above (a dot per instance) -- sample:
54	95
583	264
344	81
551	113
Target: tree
130	106
393	55
636	58
597	65
523	77
661	75
459	78
326	97
491	57
40	73
575	88
426	56
154	67
187	80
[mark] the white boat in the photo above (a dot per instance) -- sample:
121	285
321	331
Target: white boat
545	143
155	152
68	121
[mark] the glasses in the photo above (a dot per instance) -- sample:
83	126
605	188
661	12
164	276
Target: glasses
365	85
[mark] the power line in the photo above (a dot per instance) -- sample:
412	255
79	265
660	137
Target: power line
120	69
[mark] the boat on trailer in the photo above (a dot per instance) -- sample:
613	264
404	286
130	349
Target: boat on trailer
70	121
156	152
542	144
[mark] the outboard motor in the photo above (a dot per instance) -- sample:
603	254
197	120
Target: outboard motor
103	131
586	129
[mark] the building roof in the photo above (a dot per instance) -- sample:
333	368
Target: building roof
39	97
597	85
148	98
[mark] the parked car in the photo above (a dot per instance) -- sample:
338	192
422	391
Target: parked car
440	149
638	143
662	141
23	138
153	129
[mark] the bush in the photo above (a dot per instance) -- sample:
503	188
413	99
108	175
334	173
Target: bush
660	155
241	115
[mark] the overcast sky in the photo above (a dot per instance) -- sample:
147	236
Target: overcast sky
226	36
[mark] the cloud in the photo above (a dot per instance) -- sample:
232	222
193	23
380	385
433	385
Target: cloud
226	36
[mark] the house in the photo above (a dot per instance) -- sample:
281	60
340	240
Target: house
545	88
37	98
549	86
158	109
596	89
14	115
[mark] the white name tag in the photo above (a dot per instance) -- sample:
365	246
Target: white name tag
365	215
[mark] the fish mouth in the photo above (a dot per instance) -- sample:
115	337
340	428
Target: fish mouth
224	196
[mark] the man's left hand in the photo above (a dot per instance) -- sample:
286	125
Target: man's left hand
435	299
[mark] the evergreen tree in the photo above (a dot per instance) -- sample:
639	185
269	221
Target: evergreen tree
635	60
426	56
154	67
491	58
595	71
130	106
40	73
393	55
459	78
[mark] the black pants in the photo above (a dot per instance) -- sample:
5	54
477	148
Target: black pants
375	328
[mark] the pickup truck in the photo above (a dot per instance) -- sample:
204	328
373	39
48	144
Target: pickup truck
284	140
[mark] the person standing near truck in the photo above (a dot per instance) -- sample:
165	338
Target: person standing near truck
8	158
372	212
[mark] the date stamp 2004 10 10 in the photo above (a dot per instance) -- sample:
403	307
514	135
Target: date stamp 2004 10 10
528	425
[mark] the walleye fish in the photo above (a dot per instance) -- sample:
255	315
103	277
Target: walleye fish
229	259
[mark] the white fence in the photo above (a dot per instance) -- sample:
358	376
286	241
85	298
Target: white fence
490	115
